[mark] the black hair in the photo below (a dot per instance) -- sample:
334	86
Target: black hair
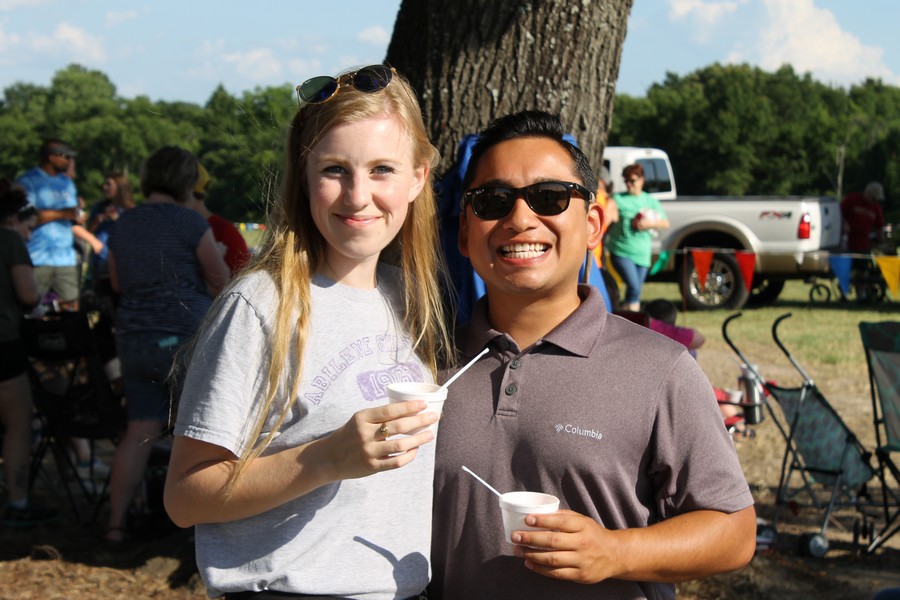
14	201
172	171
662	310
528	123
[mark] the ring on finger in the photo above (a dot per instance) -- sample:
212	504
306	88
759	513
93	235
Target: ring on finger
383	430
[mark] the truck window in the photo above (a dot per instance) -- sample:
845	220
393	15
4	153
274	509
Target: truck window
656	175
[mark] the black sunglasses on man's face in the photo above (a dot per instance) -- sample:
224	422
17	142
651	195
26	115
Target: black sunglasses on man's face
545	198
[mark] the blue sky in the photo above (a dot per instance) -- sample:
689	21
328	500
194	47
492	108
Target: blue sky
181	50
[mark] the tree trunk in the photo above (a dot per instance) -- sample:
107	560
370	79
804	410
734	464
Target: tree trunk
473	60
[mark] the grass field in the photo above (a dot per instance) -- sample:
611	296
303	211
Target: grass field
822	336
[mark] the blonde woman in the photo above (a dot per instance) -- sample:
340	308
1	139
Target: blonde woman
287	456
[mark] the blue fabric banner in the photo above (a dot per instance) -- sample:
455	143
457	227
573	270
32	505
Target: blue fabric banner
840	266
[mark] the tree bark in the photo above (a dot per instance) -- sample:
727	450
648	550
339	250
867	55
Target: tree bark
471	61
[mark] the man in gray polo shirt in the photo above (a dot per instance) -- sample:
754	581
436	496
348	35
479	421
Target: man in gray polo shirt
612	418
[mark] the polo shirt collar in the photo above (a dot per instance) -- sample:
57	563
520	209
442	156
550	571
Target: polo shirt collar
578	334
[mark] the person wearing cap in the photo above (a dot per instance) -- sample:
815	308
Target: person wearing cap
236	254
862	215
53	193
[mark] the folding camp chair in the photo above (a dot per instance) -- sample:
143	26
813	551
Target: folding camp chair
820	451
881	342
73	397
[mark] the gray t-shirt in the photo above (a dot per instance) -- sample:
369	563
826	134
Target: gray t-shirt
614	419
358	538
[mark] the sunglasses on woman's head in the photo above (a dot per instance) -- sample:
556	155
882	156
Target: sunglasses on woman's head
545	198
373	78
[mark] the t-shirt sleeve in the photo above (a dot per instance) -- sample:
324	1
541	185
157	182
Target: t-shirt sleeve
27	183
236	255
19	252
225	379
696	466
657	206
13	251
191	227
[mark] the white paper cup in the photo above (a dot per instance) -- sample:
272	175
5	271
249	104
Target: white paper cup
518	505
416	390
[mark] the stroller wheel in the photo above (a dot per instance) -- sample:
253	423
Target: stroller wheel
815	545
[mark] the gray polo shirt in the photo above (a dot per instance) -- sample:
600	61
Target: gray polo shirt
616	420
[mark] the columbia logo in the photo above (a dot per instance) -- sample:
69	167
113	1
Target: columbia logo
576	430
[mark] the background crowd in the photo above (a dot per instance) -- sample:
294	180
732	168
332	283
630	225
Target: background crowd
173	256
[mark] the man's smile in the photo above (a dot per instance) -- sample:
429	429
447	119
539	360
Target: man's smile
530	250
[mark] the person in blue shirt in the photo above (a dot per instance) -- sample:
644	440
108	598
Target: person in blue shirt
53	194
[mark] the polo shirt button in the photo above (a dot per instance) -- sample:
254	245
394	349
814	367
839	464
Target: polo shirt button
515	364
511	389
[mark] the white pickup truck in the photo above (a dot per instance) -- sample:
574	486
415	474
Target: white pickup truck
790	235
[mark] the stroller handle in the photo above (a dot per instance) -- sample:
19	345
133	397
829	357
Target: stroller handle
784	350
727	338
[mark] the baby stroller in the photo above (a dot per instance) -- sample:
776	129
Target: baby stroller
823	458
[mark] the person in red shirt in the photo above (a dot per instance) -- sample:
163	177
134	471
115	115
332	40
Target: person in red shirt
862	214
237	255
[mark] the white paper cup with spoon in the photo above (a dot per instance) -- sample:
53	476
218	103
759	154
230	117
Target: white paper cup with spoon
515	506
434	395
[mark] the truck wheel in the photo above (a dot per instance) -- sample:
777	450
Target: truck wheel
765	292
724	285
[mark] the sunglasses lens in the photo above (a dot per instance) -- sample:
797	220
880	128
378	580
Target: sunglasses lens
493	203
372	79
548	198
317	89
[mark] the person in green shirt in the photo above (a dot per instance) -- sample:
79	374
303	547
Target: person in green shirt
630	237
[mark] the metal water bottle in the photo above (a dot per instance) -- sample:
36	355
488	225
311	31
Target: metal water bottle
752	391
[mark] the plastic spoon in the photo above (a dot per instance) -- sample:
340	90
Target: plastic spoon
485	483
463	370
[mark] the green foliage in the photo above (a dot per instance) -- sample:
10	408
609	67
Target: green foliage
740	130
729	129
238	140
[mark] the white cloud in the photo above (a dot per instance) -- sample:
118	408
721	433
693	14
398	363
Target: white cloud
301	69
375	35
8	42
214	62
113	17
75	43
811	39
706	13
257	65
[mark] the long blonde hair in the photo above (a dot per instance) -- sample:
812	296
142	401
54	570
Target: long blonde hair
294	249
